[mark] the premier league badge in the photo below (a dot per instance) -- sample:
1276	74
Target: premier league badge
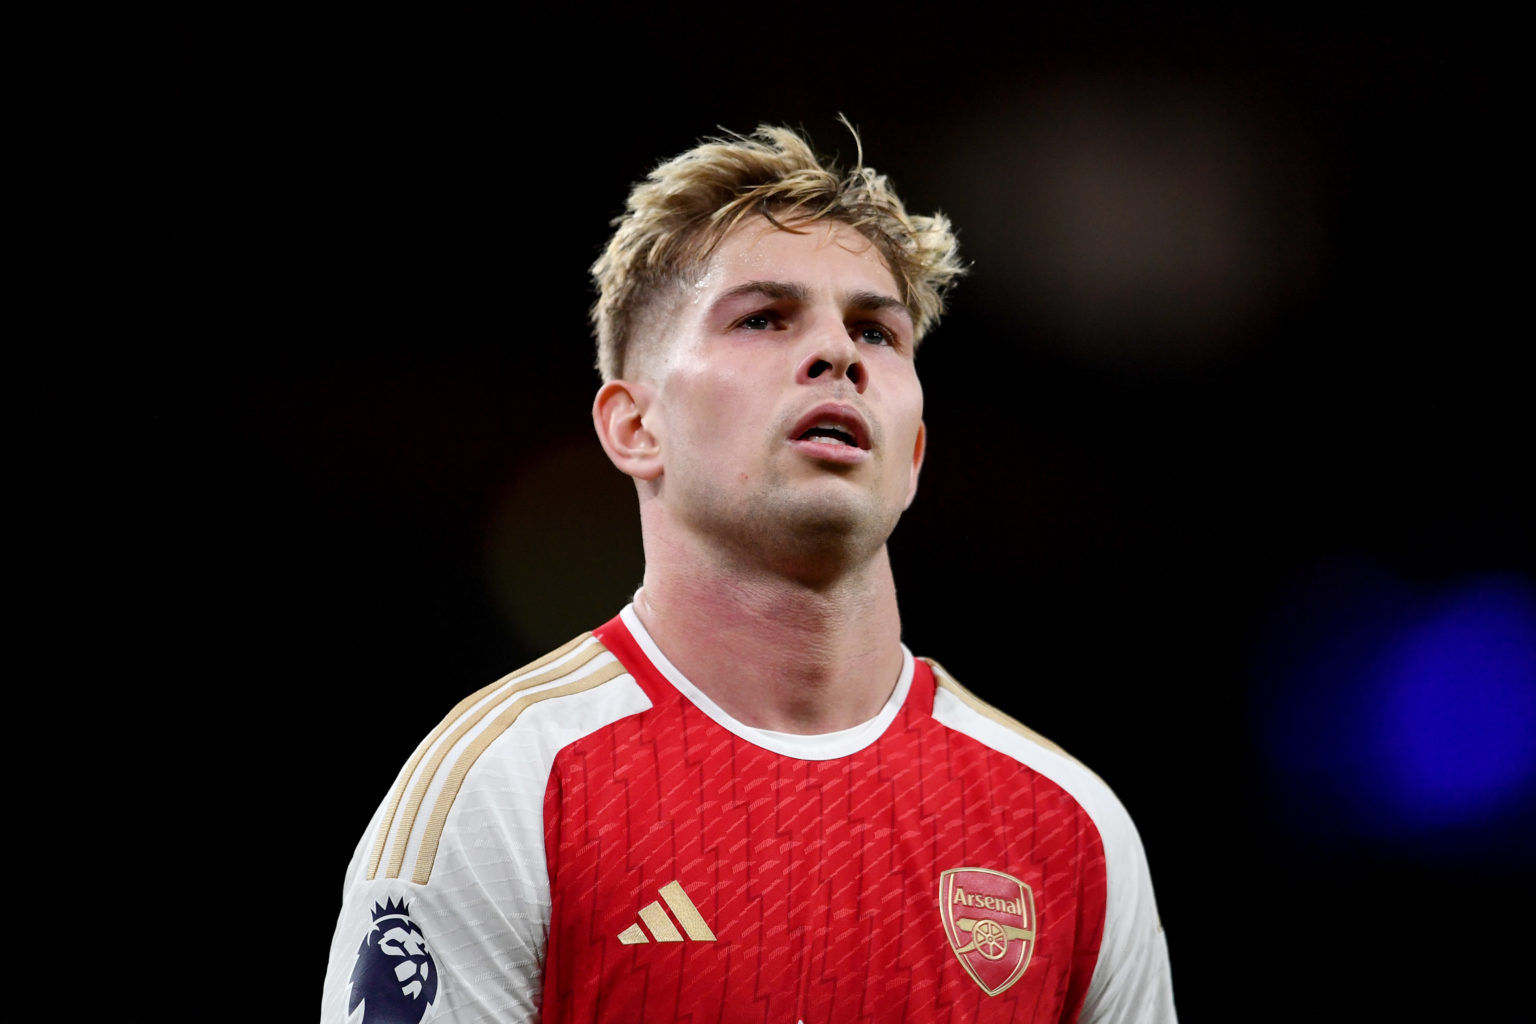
394	976
989	919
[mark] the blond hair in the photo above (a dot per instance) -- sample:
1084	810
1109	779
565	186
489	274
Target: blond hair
676	217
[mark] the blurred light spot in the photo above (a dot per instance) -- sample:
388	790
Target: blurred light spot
1136	219
1387	712
1457	732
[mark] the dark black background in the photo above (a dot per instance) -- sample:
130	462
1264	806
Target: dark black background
303	447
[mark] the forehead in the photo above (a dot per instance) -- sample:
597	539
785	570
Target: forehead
820	259
820	254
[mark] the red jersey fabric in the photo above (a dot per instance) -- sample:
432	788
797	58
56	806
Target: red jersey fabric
817	882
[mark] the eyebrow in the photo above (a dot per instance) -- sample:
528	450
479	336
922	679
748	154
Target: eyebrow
796	292
875	302
776	290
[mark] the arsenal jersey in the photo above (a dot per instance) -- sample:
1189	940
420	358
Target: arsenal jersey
592	839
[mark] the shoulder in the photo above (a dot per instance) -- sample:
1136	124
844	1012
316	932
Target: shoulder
1131	981
460	838
958	708
494	750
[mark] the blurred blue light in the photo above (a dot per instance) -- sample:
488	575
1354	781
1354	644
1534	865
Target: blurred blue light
1456	735
1388	713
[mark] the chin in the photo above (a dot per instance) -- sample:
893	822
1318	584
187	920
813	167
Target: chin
829	528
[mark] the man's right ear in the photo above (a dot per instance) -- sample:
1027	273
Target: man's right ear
619	413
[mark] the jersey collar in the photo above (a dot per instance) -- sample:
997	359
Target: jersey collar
650	666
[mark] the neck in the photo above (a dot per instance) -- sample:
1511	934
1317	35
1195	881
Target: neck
777	651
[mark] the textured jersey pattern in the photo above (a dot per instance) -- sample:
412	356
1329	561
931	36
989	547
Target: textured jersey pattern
590	839
819	878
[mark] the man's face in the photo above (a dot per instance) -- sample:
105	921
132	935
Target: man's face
788	408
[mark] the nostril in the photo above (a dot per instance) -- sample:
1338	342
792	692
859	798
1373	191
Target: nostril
856	375
817	368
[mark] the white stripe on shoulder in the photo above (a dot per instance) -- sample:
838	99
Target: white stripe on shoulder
947	682
412	823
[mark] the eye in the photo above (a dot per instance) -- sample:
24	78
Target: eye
875	334
763	320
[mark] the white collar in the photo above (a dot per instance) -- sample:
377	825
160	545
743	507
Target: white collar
820	747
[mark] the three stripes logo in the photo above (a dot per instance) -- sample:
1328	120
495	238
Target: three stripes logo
661	927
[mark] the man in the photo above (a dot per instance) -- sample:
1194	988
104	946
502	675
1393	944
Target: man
743	799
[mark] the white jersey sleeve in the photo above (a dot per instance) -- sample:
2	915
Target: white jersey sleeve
446	901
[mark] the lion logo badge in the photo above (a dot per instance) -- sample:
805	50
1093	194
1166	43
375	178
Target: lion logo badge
989	919
394	976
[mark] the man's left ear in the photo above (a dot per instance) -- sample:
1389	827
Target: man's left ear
918	450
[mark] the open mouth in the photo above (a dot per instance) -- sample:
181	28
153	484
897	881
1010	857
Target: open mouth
830	434
835	426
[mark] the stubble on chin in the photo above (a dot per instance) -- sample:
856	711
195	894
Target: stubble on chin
796	533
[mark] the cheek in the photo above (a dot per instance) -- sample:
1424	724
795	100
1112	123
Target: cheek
717	405
909	414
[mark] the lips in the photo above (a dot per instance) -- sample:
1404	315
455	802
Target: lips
832	425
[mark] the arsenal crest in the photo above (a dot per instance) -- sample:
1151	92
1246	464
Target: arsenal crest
989	919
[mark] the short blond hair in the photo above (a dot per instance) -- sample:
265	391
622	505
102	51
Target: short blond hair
676	217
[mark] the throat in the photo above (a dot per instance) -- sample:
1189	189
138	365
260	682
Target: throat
776	656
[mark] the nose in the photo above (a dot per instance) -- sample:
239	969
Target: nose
832	358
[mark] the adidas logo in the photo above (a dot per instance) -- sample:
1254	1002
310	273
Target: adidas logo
661	927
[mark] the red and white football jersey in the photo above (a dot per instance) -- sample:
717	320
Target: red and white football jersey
592	839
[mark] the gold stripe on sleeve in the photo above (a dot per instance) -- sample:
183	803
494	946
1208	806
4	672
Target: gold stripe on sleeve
458	709
455	780
429	770
981	707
